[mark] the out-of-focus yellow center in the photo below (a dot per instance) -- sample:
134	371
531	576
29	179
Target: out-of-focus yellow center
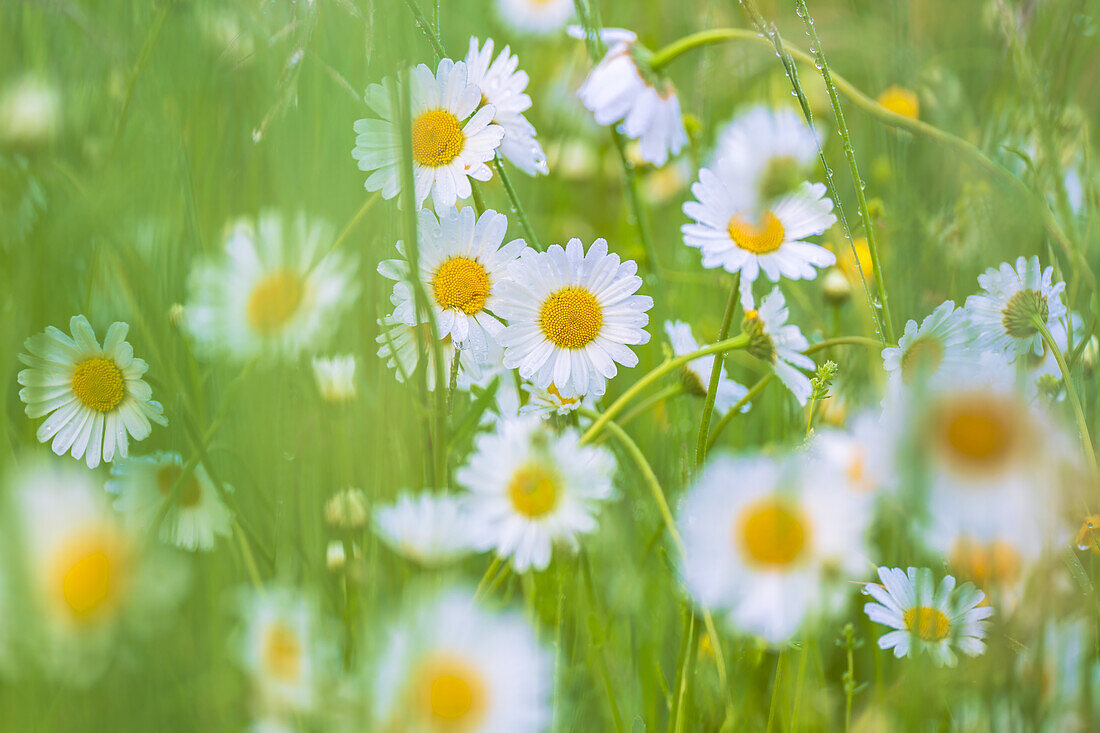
88	574
533	489
985	563
461	283
274	301
98	384
281	652
571	318
977	432
926	622
190	492
900	101
759	237
922	357
452	695
437	138
772	532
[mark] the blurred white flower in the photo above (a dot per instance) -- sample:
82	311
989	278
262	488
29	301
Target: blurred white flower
623	88
571	315
94	396
767	543
696	373
142	485
335	377
451	142
1012	299
30	113
276	292
428	528
530	489
942	343
927	618
463	262
536	17
764	153
503	87
453	666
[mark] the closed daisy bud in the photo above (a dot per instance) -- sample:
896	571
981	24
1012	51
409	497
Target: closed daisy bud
836	287
335	557
335	378
347	509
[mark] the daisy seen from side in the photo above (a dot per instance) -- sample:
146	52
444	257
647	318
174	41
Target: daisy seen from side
779	343
427	528
695	375
942	342
1012	300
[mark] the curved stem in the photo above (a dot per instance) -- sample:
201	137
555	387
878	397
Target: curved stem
737	342
715	375
1071	391
675	49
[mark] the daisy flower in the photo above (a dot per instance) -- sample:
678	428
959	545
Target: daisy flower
276	291
859	458
335	377
142	485
940	344
427	528
927	618
733	233
536	17
547	402
1012	299
503	87
463	262
695	375
93	397
400	345
764	542
453	666
451	142
83	579
282	646
779	343
765	153
530	489
571	315
623	87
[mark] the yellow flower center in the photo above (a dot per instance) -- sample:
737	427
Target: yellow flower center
977	432
274	301
901	101
564	400
98	383
190	492
451	694
926	622
772	532
759	237
88	575
281	652
533	489
921	358
461	283
437	138
571	318
986	562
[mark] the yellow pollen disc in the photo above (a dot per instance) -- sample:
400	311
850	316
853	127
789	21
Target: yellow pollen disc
564	400
533	490
281	652
772	532
274	301
978	432
921	358
98	384
461	283
88	575
190	492
437	138
571	318
926	622
451	695
759	238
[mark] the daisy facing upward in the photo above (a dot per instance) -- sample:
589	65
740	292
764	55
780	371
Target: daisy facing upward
571	316
453	138
94	396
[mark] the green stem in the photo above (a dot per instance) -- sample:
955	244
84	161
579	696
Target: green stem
517	208
715	375
686	670
737	342
1071	391
426	28
891	119
671	390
